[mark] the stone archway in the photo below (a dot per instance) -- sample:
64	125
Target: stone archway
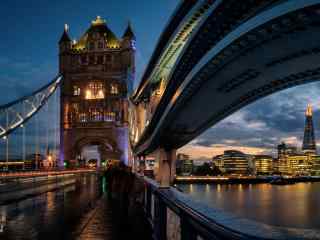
107	149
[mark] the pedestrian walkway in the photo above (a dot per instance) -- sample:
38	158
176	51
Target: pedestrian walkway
99	223
110	221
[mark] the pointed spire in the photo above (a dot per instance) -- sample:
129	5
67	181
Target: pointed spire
309	110
309	143
65	37
129	33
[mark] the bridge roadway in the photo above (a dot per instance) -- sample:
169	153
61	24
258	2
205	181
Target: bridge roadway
83	210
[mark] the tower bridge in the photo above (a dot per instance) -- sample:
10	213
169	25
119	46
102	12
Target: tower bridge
97	71
213	58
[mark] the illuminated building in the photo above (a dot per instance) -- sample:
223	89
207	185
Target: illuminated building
236	162
283	164
309	144
290	162
218	162
98	72
184	165
315	163
299	164
285	150
263	164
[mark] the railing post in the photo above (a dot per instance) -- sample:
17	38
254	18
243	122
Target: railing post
160	220
187	232
148	201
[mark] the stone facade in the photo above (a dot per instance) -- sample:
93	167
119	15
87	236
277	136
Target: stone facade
98	72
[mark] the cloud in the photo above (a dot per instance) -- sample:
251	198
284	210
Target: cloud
261	126
22	76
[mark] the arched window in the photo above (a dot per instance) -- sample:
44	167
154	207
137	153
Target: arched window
114	89
76	91
95	91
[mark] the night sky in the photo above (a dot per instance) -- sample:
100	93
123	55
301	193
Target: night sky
31	29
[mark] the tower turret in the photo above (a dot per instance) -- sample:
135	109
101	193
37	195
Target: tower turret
128	38
309	144
128	56
65	41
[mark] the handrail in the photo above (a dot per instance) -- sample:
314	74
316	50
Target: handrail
199	220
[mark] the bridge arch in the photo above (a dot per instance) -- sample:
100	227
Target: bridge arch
273	55
107	148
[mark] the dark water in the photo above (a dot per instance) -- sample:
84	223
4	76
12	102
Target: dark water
54	215
295	205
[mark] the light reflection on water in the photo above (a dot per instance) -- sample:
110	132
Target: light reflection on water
295	205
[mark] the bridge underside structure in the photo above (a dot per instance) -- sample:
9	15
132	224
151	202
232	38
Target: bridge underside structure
238	53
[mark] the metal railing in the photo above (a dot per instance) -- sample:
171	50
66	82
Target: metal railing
176	216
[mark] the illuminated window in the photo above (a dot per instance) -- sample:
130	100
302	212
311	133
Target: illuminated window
114	89
95	91
75	106
83	117
96	114
110	116
76	91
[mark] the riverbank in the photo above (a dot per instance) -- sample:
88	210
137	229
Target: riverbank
242	179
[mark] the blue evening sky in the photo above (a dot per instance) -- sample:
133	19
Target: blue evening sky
30	31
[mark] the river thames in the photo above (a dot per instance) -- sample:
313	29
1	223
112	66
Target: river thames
296	205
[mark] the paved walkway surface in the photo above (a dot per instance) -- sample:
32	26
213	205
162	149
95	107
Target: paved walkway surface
99	224
108	220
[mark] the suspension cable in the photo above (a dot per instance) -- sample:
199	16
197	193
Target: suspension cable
47	128
7	139
37	142
56	115
23	139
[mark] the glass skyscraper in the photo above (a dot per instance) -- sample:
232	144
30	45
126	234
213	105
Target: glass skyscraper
309	144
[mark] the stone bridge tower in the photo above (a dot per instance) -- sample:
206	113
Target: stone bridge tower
98	72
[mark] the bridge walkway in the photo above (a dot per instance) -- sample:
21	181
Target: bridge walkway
109	220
